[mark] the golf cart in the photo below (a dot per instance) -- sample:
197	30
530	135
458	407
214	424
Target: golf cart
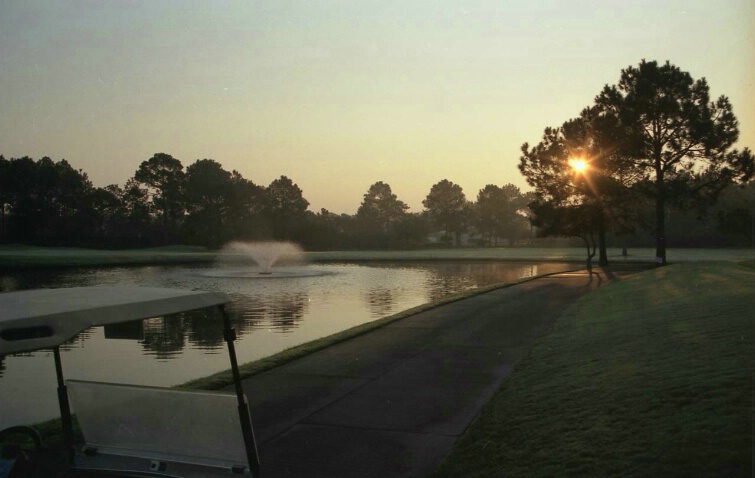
128	430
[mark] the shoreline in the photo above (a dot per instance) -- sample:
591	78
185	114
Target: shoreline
16	257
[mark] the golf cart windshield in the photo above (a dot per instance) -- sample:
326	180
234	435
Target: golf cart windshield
157	429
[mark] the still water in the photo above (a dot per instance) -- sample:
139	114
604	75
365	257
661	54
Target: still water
270	314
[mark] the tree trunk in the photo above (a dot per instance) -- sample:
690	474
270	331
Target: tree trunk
590	252
603	258
660	216
165	221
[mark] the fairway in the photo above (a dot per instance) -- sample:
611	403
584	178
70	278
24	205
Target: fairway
648	376
18	256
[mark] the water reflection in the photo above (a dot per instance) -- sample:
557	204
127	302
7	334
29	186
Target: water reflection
125	330
287	311
165	337
380	301
76	342
461	276
162	337
205	334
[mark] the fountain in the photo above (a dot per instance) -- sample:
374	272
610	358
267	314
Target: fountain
273	260
266	254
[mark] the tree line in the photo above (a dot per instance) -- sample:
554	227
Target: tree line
44	202
649	158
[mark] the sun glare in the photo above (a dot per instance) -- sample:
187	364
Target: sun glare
578	165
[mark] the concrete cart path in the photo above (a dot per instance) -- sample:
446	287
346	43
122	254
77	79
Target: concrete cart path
392	402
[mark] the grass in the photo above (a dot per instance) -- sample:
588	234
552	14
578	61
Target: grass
551	254
19	256
651	375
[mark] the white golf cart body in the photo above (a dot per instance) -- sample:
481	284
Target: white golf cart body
149	431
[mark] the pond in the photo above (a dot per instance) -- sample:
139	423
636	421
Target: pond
270	314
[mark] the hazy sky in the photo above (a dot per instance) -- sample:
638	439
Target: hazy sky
338	95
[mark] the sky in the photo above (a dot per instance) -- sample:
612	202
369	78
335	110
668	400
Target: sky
338	95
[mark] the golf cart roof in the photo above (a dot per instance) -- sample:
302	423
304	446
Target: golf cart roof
45	318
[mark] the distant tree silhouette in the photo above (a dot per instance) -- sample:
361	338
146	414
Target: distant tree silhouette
379	212
208	189
410	230
447	207
286	208
497	212
44	202
246	209
105	214
735	214
6	197
137	221
163	176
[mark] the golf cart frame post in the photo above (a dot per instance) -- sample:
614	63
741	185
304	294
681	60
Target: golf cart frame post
44	319
229	334
65	408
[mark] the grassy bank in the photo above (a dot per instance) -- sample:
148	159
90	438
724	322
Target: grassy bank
548	254
18	256
649	376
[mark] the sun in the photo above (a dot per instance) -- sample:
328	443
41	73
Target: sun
578	165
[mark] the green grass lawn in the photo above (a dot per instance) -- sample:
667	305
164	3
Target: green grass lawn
552	254
20	256
651	375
